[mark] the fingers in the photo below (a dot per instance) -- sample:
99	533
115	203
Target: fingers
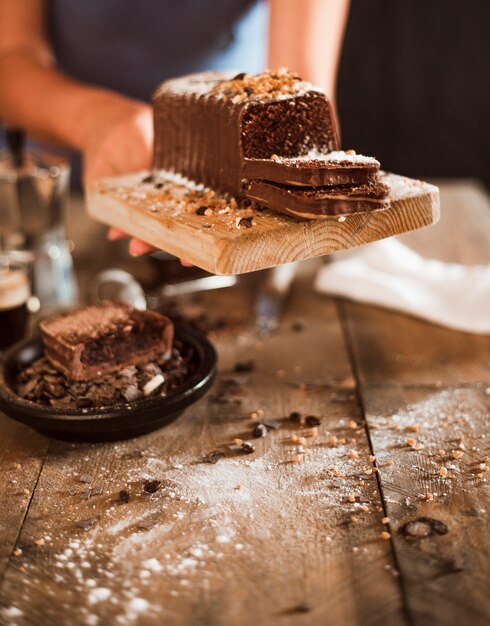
115	233
138	247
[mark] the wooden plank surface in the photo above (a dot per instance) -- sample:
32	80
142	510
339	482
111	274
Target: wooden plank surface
218	244
258	539
22	453
445	575
254	539
426	394
394	348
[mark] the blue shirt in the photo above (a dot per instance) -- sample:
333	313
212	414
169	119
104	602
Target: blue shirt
133	46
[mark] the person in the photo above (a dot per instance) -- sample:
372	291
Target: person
81	73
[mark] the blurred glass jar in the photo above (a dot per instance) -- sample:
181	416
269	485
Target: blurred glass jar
34	194
15	292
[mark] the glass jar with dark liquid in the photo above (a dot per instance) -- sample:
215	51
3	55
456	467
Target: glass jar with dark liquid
14	295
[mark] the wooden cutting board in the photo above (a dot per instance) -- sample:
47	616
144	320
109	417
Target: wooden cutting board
222	244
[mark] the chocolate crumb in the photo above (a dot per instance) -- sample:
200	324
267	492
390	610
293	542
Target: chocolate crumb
85	524
423	527
301	608
240	76
201	210
244	367
247	448
152	486
86	494
260	431
297	327
123	496
295	416
312	420
148	179
246	222
158	185
213	457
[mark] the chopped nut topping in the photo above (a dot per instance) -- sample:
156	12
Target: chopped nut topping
351	497
412	428
312	432
385	520
352	425
353	454
443	472
385	535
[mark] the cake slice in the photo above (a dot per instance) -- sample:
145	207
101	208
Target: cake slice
88	342
319	202
314	169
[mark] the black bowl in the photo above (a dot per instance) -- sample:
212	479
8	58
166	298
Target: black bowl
105	423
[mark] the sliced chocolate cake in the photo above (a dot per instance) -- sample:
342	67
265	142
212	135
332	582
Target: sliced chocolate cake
88	342
314	169
262	137
207	124
318	202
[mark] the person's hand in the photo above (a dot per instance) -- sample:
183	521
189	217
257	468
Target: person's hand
118	137
136	246
118	140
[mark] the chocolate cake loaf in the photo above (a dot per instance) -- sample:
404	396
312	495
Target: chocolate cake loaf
207	125
88	342
270	138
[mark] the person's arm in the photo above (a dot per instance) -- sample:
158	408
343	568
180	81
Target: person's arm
114	133
306	36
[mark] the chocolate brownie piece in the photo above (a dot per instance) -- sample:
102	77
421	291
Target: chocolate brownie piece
88	342
318	202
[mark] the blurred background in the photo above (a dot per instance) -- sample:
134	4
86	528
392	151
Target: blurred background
414	88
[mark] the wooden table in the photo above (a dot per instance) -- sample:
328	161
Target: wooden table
261	539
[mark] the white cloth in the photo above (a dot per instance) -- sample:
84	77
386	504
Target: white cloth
389	274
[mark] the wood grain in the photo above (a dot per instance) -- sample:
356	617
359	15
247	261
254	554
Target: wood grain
215	243
281	549
272	541
425	394
445	576
22	453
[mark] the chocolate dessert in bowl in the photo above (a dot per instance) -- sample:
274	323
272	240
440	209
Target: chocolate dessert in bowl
105	372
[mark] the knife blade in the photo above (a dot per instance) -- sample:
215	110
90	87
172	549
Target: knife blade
271	298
